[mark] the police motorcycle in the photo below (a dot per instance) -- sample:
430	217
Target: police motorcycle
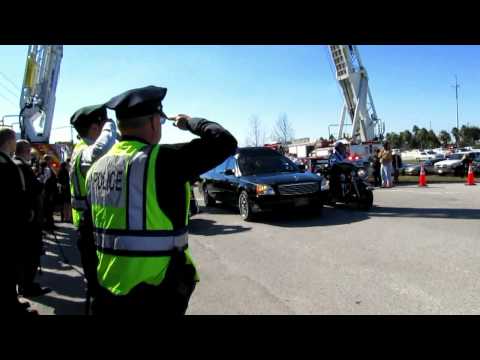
347	183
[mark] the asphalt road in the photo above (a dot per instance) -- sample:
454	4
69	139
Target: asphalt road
416	252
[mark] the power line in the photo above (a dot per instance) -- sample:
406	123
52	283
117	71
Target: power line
10	101
10	81
10	91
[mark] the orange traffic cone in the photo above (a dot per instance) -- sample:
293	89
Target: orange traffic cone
470	177
422	180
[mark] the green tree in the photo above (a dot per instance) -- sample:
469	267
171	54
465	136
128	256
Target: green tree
469	134
422	138
456	135
406	137
394	140
415	142
433	140
444	137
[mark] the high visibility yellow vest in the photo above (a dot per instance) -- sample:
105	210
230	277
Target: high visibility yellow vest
77	184
133	236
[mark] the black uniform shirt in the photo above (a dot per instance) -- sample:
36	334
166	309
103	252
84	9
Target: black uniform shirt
178	163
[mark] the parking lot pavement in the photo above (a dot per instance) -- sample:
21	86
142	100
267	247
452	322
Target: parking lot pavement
61	271
415	252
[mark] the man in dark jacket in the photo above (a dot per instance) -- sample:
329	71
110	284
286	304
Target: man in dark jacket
31	240
376	168
13	216
397	165
154	274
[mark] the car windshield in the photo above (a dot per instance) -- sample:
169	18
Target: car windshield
455	157
263	163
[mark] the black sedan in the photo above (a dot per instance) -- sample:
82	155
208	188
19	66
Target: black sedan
259	179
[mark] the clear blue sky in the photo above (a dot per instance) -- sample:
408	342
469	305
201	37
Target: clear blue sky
228	84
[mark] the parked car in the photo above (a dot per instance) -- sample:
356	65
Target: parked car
414	169
454	162
259	179
429	155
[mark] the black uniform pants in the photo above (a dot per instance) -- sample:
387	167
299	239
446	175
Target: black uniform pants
170	298
29	258
89	259
377	178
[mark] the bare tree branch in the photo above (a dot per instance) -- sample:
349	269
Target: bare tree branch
283	131
256	134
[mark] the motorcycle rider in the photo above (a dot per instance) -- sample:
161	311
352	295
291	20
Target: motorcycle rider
339	153
338	156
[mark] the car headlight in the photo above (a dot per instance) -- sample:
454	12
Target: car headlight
362	173
264	190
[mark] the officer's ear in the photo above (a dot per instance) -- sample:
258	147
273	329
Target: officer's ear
152	122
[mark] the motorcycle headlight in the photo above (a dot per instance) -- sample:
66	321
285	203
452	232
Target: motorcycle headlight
264	190
362	173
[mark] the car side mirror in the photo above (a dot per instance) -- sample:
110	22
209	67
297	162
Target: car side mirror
229	172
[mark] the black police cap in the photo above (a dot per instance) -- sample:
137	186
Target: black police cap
89	114
138	102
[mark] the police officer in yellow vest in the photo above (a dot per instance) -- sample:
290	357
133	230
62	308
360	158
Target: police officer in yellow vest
139	195
98	134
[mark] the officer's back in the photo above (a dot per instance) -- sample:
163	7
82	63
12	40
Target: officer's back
139	198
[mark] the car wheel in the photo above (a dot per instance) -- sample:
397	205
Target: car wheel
316	208
207	199
244	206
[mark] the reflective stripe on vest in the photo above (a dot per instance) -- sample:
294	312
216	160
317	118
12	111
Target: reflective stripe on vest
141	245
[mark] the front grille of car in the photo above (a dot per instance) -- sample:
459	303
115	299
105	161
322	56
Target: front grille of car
298	189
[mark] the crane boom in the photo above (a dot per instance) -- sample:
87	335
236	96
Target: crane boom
37	100
353	80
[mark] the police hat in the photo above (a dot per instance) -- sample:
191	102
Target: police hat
89	114
138	102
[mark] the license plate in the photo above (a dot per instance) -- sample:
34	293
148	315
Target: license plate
301	202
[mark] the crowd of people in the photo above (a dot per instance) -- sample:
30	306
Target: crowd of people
33	190
386	166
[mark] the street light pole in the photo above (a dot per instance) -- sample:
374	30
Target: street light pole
456	97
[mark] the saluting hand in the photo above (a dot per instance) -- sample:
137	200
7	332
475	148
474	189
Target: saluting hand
180	121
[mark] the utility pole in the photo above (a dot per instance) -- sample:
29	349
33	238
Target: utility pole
456	97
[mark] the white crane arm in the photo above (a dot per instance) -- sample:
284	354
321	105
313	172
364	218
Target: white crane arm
37	100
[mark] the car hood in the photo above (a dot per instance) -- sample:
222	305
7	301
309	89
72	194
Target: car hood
412	167
448	162
282	178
